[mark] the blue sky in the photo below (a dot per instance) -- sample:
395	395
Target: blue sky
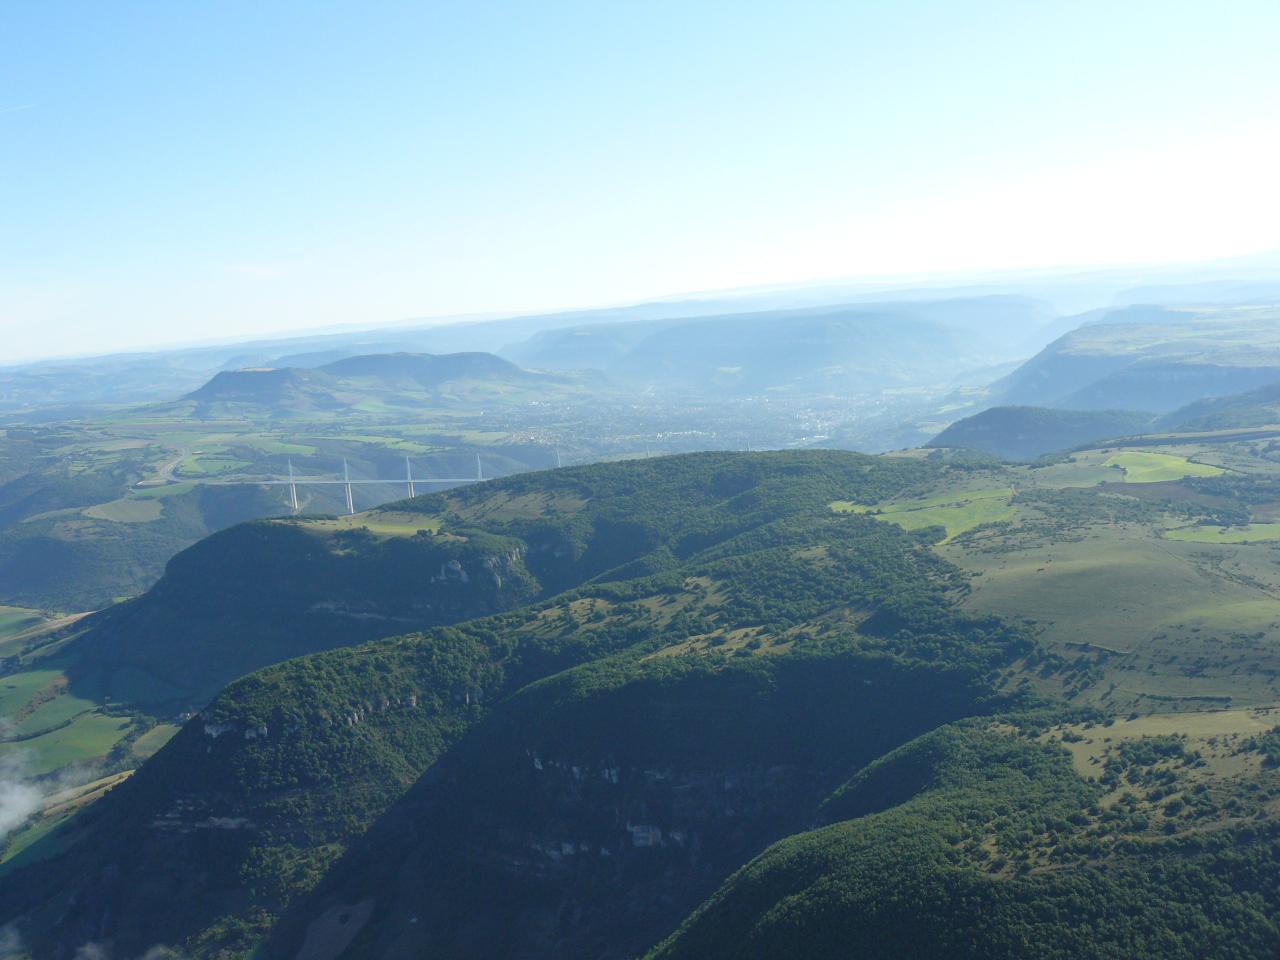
179	171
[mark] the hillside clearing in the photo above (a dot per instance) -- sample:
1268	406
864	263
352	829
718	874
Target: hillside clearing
127	510
379	523
1142	467
956	512
87	738
1249	533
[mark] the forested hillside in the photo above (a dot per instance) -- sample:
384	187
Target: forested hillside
719	556
265	591
1251	408
972	842
708	706
1024	433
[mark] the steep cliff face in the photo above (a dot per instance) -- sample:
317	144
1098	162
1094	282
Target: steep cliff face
259	791
263	592
592	813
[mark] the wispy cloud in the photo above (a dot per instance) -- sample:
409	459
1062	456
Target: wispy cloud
19	798
11	947
20	107
98	951
23	795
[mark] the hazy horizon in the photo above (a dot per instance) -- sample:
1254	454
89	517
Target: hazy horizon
183	175
945	281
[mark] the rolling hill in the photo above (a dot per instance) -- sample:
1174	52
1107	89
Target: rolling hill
92	510
357	384
855	347
74	387
732	703
715	553
1155	367
303	585
268	387
1250	408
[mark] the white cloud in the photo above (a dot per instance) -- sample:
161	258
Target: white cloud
19	798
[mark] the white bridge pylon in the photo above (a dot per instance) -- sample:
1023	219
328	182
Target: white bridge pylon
293	488
293	481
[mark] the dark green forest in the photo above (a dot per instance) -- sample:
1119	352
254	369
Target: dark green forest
676	706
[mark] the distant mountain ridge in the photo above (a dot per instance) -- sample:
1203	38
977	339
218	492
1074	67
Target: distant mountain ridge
348	381
1024	433
148	376
1251	408
853	347
1132	370
426	368
261	385
1157	367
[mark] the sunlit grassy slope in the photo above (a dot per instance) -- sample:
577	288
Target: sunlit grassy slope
1139	466
88	737
1145	592
956	512
14	620
1246	533
1143	602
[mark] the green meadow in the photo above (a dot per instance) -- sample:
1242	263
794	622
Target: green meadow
1139	620
1142	467
14	620
160	493
153	739
379	523
17	690
51	714
206	465
14	623
1248	533
52	727
88	738
127	510
956	512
